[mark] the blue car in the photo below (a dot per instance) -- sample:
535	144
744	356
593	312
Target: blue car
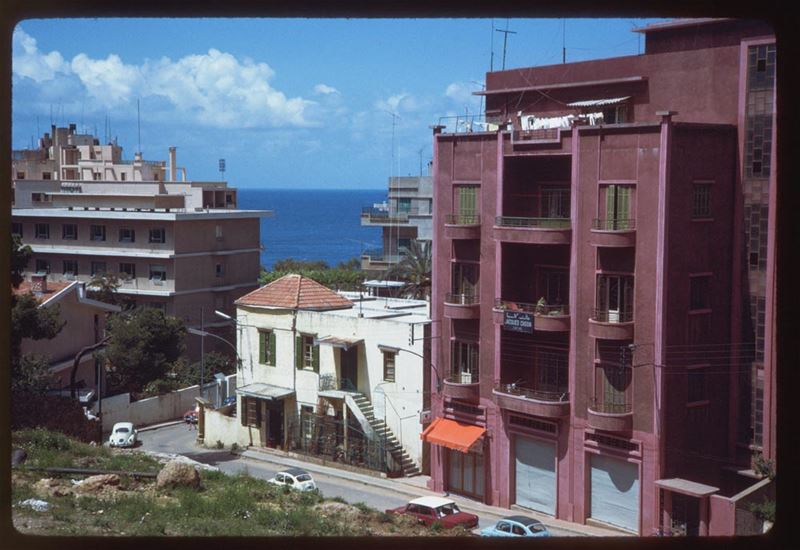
516	526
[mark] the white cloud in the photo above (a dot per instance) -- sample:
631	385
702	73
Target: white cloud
109	80
324	89
461	93
398	103
29	62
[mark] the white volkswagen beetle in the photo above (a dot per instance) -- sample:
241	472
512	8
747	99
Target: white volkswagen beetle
123	435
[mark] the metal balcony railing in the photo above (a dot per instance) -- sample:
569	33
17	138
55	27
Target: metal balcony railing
536	309
601	224
612	315
461	299
602	406
538	223
462	219
465	124
528	393
462	377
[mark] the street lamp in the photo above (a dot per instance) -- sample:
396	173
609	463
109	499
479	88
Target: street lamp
197	332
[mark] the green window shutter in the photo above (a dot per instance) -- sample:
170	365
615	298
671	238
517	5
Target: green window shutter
623	203
298	352
315	358
262	347
611	211
272	360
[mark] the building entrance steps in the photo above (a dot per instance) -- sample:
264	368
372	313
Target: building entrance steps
418	486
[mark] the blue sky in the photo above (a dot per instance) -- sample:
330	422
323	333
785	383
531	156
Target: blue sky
289	103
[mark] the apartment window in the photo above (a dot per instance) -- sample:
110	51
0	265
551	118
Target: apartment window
46	175
218	231
551	371
388	365
69	231
158	273
466	204
465	362
158	235
618	207
306	353
404	205
97	232
612	389
220	270
98	268
96	176
123	176
39	197
127	235
614	303
127	270
16	229
699	296
701	200
403	245
555	202
20	175
697	384
42	231
553	286
70	267
42	266
615	115
266	347
465	282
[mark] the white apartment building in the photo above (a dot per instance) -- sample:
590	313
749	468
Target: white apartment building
306	350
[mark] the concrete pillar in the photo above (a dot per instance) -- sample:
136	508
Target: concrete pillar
703	530
172	166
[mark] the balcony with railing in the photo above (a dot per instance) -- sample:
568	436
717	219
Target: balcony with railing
614	232
376	216
536	230
611	406
331	385
546	317
462	385
462	226
462	305
468	124
547	404
376	259
611	324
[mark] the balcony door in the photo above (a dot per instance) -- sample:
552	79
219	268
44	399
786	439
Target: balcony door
618	207
465	281
612	392
614	298
555	202
466	203
465	362
553	286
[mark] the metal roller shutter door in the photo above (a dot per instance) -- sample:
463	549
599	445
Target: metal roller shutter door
536	475
615	492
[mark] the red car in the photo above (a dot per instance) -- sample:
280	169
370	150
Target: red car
430	510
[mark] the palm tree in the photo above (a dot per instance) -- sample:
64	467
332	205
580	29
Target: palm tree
414	269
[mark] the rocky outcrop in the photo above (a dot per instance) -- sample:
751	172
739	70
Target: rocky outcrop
178	474
97	484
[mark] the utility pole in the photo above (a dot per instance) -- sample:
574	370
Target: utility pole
505	32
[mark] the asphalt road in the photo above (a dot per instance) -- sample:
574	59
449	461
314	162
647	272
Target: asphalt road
179	439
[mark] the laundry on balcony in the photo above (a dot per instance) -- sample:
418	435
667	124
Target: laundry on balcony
452	434
532	122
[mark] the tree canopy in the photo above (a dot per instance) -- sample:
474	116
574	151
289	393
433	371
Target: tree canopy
143	347
414	269
345	276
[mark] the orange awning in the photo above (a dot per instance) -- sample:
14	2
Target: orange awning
452	434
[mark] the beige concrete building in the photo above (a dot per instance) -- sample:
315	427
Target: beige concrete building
179	245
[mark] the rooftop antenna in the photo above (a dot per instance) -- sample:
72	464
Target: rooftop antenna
505	32
222	169
421	149
395	116
491	57
139	126
37	127
51	114
563	41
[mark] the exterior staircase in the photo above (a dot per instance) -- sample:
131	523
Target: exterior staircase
382	431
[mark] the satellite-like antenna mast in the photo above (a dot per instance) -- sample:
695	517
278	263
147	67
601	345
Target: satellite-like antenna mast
505	32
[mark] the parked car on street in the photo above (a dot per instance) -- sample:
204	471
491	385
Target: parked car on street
516	526
294	478
431	510
123	435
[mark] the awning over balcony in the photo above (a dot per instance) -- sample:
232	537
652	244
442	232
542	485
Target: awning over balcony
452	434
264	391
599	102
686	487
337	342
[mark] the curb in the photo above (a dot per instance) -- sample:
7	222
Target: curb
160	425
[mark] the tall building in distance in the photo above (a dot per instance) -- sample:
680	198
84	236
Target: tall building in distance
603	284
179	245
405	216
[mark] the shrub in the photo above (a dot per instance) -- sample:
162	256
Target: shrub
234	447
765	511
220	444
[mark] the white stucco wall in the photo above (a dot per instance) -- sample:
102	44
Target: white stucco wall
398	402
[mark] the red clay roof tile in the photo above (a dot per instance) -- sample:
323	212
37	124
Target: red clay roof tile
295	292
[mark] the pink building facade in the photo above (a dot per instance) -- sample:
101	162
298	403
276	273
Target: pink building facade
595	291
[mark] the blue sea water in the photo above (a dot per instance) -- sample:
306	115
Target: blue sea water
313	224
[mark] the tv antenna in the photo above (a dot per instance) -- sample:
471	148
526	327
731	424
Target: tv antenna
222	168
139	125
505	32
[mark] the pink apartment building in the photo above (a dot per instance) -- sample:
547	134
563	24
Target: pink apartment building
603	280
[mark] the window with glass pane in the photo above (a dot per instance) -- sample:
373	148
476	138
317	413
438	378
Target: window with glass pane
158	273
127	235
614	298
555	202
553	286
69	231
699	297
98	268
127	270
388	366
403	205
42	266
551	371
618	214
42	231
701	200
465	362
97	232
465	280
157	235
70	267
466	204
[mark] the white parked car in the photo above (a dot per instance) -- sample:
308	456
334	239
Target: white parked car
123	435
294	478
